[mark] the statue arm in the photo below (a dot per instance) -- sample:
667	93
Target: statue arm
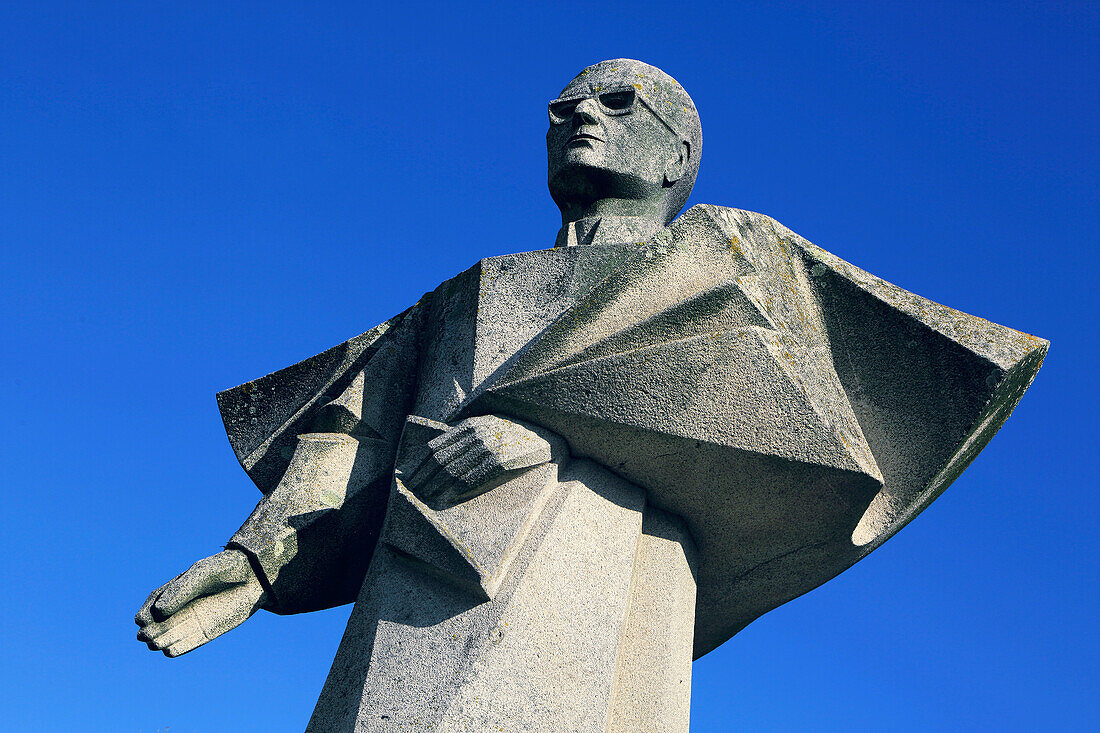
306	546
325	473
311	538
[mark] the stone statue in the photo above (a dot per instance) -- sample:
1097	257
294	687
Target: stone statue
562	475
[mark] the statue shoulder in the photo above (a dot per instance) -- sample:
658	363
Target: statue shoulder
264	416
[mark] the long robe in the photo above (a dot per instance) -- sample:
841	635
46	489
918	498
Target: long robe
794	411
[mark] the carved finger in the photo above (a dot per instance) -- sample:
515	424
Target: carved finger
452	451
436	481
428	468
444	484
166	628
170	635
483	471
479	421
152	631
527	454
217	615
442	441
447	492
144	616
201	579
185	645
464	430
464	461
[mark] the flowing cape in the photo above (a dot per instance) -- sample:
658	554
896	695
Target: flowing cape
795	410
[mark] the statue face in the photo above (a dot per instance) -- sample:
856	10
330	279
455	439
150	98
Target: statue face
605	142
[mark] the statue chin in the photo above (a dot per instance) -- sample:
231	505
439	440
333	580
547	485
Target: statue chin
582	185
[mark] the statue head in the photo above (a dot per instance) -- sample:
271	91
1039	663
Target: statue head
624	139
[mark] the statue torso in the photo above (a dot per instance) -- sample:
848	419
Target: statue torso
483	317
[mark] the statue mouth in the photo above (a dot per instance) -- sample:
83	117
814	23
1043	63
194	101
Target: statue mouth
582	137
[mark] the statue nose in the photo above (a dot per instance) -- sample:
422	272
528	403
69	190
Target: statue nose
585	113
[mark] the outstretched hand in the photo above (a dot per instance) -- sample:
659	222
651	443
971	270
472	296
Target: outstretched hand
475	455
214	595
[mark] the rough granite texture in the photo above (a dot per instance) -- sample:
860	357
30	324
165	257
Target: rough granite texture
792	409
564	474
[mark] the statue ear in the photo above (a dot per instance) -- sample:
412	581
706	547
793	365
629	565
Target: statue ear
674	169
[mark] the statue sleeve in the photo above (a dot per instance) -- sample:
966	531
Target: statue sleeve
319	439
930	385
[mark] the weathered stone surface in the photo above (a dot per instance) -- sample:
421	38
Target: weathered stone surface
449	533
652	689
427	650
564	473
706	400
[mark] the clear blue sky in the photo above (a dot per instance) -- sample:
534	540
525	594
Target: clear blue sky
195	194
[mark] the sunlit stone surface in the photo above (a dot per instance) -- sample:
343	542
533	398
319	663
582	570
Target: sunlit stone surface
562	475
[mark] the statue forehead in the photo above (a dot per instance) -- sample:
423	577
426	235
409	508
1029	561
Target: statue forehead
620	72
661	92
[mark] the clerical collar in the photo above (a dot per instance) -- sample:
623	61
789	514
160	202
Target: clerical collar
606	230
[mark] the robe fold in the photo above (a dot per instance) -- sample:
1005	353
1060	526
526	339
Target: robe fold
793	410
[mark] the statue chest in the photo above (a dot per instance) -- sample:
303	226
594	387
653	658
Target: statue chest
481	319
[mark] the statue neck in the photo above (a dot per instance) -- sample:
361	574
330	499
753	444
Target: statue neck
607	230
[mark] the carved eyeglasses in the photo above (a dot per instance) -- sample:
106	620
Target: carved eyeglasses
618	101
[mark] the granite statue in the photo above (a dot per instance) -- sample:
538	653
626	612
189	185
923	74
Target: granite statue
562	475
